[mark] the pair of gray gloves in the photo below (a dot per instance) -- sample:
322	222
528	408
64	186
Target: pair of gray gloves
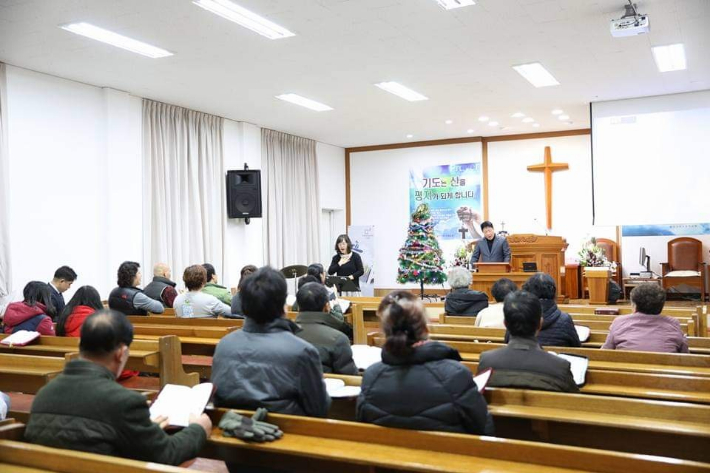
249	428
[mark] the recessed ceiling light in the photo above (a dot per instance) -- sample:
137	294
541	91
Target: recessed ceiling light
470	130
115	39
518	115
401	91
557	111
449	122
410	136
563	117
536	74
528	120
670	58
492	123
304	102
483	118
536	125
245	18
451	4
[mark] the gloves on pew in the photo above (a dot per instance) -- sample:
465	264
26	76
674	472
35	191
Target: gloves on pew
249	428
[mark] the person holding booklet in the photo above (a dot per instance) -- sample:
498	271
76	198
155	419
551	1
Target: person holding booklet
419	384
85	409
523	363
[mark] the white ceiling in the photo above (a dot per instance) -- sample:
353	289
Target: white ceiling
460	59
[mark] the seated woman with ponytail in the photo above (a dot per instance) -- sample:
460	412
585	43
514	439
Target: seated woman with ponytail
419	384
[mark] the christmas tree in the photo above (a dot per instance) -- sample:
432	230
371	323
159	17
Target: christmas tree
420	258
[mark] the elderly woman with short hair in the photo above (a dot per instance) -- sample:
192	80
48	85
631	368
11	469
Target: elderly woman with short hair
462	300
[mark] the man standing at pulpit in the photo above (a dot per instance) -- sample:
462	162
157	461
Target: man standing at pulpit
492	249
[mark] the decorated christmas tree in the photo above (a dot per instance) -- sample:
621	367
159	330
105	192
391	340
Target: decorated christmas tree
420	258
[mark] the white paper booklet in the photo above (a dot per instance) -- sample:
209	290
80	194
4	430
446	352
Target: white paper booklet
20	338
481	380
365	356
343	303
337	389
578	366
178	402
583	332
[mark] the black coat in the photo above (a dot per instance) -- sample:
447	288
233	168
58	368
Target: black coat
464	301
557	327
427	390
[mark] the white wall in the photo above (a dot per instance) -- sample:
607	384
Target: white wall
331	181
379	185
517	196
67	204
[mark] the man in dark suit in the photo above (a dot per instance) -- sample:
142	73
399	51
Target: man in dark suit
492	249
523	363
64	277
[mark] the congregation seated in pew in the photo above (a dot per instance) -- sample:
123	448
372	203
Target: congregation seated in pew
237	298
212	288
127	298
85	409
161	288
523	363
646	329
85	301
419	384
557	326
492	316
63	279
265	364
461	300
322	330
196	303
337	319
34	313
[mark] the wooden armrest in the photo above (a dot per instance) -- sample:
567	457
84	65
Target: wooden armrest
664	269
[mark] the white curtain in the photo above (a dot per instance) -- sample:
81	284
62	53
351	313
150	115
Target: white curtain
5	274
292	223
182	152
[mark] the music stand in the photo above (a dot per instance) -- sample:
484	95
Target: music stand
342	283
294	271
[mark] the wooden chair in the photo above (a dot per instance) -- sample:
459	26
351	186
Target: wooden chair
685	264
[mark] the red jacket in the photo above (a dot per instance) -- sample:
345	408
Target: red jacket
19	312
72	326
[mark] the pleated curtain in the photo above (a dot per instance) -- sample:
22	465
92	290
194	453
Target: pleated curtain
5	274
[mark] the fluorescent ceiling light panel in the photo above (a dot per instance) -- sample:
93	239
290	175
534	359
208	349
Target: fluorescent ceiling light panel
483	118
528	120
452	4
557	111
410	136
470	130
245	18
304	102
518	115
670	58
492	123
563	117
449	122
401	91
115	39
536	125
536	74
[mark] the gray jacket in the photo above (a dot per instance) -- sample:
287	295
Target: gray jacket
320	329
524	364
266	365
499	252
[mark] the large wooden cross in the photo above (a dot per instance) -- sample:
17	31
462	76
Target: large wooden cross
548	167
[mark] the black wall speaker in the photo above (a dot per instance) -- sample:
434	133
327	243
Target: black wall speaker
244	194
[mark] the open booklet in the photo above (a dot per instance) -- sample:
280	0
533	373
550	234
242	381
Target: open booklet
178	402
583	332
482	379
578	366
365	356
20	338
336	388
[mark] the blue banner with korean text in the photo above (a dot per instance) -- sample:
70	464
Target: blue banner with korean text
453	192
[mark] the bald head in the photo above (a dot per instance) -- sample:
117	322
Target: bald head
161	270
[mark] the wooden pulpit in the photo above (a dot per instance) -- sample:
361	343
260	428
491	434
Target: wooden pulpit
547	252
598	280
492	267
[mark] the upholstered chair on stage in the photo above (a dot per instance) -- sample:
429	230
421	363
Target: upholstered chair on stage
685	264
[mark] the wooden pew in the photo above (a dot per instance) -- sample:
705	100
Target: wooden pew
27	373
180	322
315	445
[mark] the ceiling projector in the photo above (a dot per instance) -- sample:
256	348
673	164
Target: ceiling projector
631	24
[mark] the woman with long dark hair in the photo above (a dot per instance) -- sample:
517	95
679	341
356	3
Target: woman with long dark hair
86	301
446	397
347	263
34	313
237	299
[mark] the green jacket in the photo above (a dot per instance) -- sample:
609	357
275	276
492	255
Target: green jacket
220	292
320	330
85	409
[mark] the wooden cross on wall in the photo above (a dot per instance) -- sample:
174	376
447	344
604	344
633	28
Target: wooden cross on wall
548	167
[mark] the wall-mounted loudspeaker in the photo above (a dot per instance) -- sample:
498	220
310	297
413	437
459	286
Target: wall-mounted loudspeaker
244	194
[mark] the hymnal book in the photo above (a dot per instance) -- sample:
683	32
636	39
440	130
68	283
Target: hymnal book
343	303
365	356
482	379
578	365
20	338
337	389
178	402
583	332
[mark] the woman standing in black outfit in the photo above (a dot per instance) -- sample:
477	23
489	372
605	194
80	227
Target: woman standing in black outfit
346	263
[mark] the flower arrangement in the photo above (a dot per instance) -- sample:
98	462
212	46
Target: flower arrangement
461	257
592	255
